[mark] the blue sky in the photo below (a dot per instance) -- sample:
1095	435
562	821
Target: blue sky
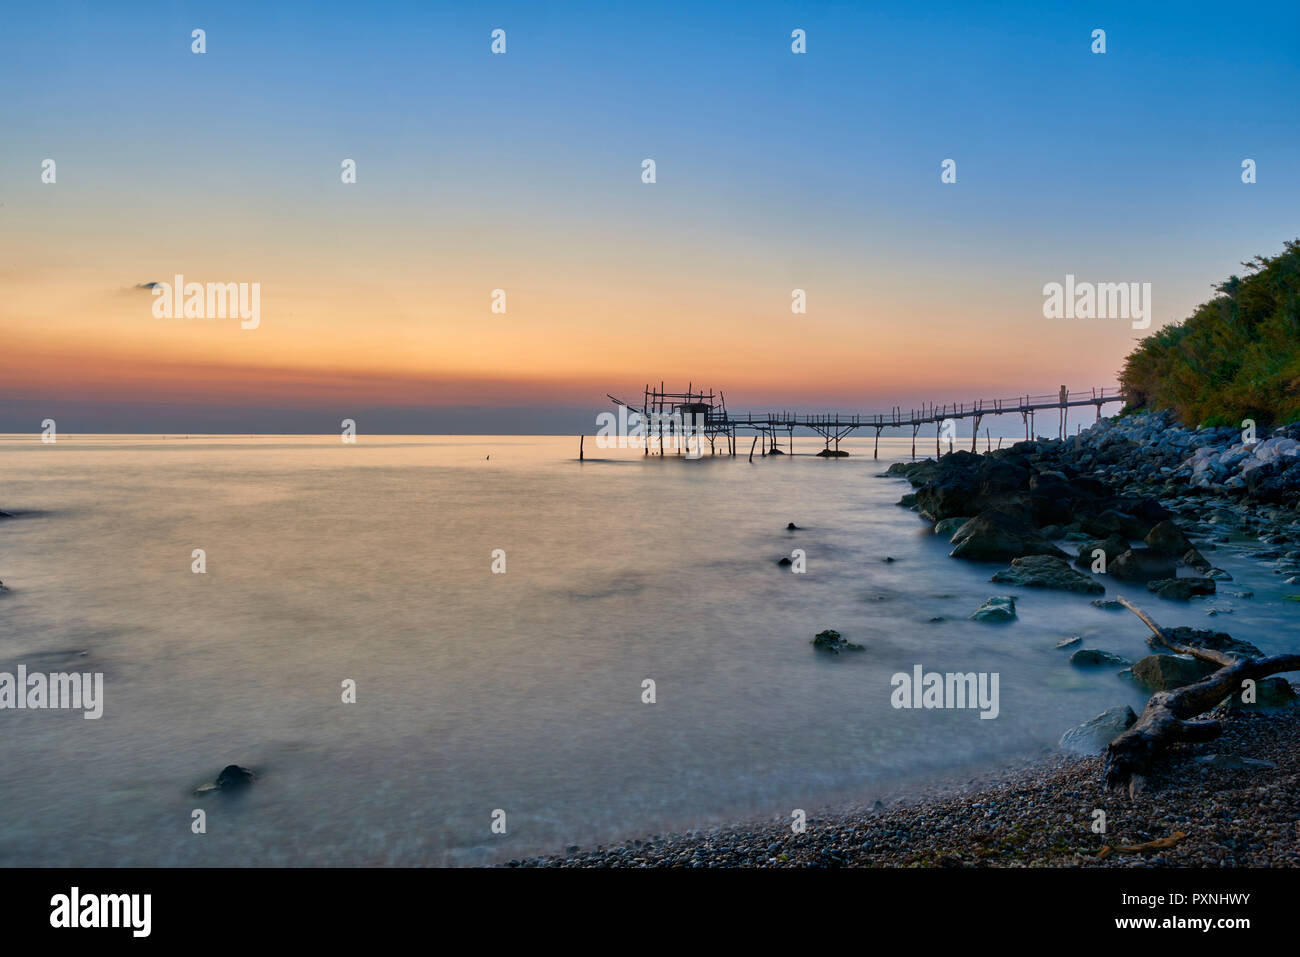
818	170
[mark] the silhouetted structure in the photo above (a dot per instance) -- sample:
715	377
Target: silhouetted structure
659	409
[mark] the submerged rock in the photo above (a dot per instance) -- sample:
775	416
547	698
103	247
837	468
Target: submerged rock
1095	658
232	778
1094	735
1181	589
996	609
831	640
1044	571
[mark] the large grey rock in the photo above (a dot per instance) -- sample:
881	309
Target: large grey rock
996	609
1095	734
1166	538
1110	548
997	535
1112	522
1181	589
1141	565
1044	571
1096	658
1166	672
949	526
1213	641
1271	694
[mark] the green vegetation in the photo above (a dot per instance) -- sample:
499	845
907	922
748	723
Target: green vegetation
1236	357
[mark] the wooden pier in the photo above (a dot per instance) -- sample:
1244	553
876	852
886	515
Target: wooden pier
661	409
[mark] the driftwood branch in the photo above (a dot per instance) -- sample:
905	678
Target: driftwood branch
1168	715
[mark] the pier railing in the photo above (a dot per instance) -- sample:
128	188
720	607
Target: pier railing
833	426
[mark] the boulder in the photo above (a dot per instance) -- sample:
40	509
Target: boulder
949	526
1112	547
1111	522
1166	672
1147	511
1095	658
1141	565
1092	737
1213	641
1166	538
1181	589
996	535
996	609
1271	694
1044	571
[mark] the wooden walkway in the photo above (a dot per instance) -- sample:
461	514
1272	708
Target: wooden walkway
659	407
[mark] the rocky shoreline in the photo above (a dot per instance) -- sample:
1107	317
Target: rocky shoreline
1137	500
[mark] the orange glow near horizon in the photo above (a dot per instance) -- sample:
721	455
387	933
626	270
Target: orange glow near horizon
396	344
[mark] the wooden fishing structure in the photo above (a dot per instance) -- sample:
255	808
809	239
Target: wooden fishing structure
661	412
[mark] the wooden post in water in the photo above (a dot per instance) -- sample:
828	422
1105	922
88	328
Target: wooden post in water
751	448
581	439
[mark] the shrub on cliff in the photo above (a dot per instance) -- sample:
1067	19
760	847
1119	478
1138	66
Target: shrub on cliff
1236	357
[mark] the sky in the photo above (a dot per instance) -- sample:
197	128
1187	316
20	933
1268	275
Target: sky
522	171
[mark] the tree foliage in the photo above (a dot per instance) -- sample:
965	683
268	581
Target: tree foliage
1236	357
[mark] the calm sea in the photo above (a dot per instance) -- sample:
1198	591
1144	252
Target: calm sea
479	692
